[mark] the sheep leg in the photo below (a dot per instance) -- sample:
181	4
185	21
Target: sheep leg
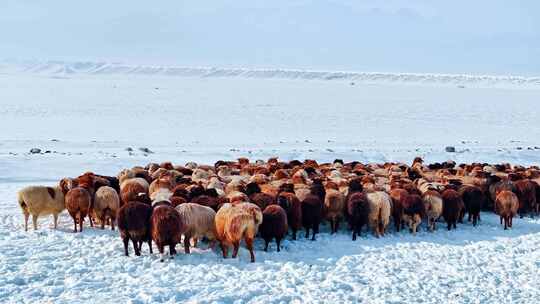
331	226
449	225
81	220
501	218
314	232
454	224
136	247
294	234
112	224
195	241
354	234
236	246
397	223
505	223
150	246
224	250
278	242
186	244
249	245
55	219
91	220
34	221
336	225
172	250
26	216
126	242
266	241
161	249
510	221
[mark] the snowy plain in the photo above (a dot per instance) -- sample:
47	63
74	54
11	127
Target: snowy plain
85	115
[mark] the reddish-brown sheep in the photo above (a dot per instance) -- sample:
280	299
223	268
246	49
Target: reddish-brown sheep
312	207
473	198
526	193
506	206
166	228
134	224
413	211
292	206
358	212
274	225
397	196
452	206
78	203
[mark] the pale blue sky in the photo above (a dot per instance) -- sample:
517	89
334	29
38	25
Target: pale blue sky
495	37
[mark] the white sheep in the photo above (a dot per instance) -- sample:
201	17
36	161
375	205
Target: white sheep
106	205
199	221
380	206
40	200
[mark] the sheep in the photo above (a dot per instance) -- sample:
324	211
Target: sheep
473	198
506	206
526	193
130	189
452	206
166	227
274	225
290	203
207	201
380	206
40	200
262	200
397	196
312	207
433	204
134	224
199	221
106	204
78	204
413	211
235	222
358	211
334	203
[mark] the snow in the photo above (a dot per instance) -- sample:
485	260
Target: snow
86	120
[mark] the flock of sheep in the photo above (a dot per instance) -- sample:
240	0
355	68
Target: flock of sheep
233	201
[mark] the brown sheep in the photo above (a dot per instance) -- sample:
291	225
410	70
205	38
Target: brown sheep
473	198
292	206
312	207
397	196
235	222
166	228
358	212
131	188
78	204
274	225
506	206
40	200
526	193
452	207
134	224
106	205
413	211
334	203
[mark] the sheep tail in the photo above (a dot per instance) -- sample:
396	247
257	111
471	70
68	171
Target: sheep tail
23	205
380	221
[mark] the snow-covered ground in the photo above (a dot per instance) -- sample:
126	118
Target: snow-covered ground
83	119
